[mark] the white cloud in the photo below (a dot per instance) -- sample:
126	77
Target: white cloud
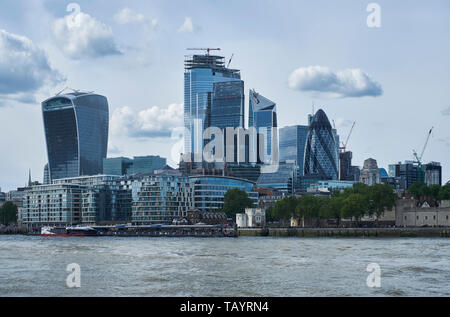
127	16
188	26
24	69
324	82
81	35
151	122
446	112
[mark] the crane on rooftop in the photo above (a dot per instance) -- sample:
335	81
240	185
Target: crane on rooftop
418	159
229	62
207	49
344	145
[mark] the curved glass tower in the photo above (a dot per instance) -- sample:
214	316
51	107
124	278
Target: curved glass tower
321	155
76	133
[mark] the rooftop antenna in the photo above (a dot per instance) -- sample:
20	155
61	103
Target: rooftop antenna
313	107
208	49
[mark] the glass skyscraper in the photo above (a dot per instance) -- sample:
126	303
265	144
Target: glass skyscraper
76	133
321	152
208	81
263	117
293	143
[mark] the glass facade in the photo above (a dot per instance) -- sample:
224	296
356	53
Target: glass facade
104	198
147	164
117	166
227	108
292	144
201	74
321	151
76	132
209	191
160	198
263	116
285	179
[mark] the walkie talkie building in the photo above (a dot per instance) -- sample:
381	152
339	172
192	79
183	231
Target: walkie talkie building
321	154
76	133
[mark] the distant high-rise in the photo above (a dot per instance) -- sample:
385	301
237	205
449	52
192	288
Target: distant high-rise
263	116
148	164
76	133
202	75
370	174
321	152
433	173
293	143
139	165
117	166
46	179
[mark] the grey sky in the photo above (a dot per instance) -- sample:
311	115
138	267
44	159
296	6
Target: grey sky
393	81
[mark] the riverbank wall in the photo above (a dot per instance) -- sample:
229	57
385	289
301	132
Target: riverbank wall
347	232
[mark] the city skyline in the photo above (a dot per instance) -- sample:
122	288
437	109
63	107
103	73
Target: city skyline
403	90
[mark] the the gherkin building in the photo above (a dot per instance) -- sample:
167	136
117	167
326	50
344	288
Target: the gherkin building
321	155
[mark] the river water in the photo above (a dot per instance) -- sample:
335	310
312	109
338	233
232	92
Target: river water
246	266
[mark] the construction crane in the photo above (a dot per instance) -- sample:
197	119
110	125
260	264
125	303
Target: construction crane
208	49
418	159
344	145
229	62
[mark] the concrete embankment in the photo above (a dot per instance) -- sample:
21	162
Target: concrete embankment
13	230
347	232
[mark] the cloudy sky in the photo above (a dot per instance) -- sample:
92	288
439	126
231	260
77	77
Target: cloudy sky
393	80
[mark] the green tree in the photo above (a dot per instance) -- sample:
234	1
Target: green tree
335	204
381	197
418	189
308	207
434	191
235	201
355	205
285	208
8	213
444	192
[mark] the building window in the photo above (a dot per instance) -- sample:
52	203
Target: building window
417	217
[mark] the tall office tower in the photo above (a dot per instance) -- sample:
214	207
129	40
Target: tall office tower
227	109
433	173
262	115
76	133
348	172
407	173
292	144
338	150
201	73
321	155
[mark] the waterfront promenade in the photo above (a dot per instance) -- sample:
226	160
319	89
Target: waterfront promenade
426	232
209	231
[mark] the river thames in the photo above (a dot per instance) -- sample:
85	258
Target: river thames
246	266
